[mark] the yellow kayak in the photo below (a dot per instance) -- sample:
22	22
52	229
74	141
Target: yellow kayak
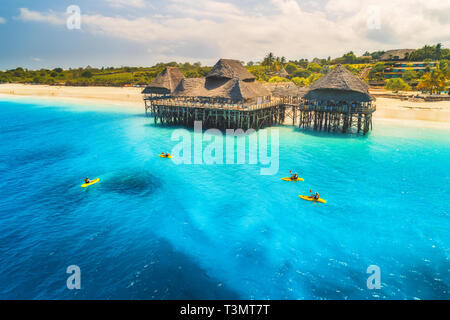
164	156
90	184
310	198
294	180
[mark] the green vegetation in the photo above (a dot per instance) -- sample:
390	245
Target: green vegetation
301	72
436	80
278	79
271	69
430	53
397	85
302	81
98	77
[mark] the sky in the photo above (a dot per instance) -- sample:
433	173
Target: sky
35	34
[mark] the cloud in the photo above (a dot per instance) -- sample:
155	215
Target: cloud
127	3
207	29
50	17
2	20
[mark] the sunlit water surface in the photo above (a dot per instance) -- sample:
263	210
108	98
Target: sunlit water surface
152	229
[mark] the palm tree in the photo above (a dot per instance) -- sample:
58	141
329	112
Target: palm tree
269	60
438	51
433	81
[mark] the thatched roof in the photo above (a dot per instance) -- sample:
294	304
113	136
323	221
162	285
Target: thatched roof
398	54
337	95
233	89
165	82
286	89
339	85
283	73
230	69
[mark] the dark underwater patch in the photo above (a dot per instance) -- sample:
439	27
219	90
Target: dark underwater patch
137	182
42	156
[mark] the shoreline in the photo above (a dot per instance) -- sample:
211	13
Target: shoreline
418	114
125	98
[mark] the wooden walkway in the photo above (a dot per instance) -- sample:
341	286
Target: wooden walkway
240	116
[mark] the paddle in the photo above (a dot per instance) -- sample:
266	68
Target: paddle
315	203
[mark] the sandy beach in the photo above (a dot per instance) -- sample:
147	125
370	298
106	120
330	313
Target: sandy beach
430	114
128	97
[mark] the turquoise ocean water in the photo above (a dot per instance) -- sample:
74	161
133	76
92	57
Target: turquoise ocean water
156	230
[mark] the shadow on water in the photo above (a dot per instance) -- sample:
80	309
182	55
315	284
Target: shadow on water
43	155
421	282
164	273
138	115
137	182
425	283
151	124
333	135
59	199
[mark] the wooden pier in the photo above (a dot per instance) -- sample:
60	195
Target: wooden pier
220	116
232	116
230	98
334	119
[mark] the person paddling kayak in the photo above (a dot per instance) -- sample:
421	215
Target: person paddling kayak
87	180
315	196
165	154
293	176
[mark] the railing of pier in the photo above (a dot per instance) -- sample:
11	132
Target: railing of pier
341	109
211	105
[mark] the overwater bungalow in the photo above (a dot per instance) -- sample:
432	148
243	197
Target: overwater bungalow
338	102
228	82
165	83
230	97
287	92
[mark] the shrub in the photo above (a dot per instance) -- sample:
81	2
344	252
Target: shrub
397	84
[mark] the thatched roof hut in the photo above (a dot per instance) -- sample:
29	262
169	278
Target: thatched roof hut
398	54
229	89
286	89
339	85
227	80
283	73
230	69
165	82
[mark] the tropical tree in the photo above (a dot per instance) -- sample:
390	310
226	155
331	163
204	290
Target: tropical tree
278	79
87	74
302	73
409	75
433	81
268	60
290	68
314	67
299	81
397	84
314	77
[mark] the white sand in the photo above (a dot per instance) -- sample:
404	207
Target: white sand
394	110
127	97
